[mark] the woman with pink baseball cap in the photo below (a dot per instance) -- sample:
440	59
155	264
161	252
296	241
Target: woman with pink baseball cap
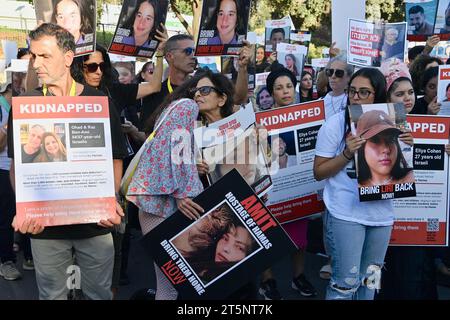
356	264
381	160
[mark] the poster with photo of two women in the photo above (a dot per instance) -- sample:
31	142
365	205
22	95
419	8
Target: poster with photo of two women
384	163
228	246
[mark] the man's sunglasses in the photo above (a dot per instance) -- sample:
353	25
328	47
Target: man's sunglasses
92	67
187	51
205	90
338	72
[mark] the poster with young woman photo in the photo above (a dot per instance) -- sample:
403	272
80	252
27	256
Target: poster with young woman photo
135	34
216	243
76	16
383	163
235	239
223	27
292	57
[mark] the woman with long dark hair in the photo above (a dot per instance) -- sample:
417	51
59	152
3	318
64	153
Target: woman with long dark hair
142	23
356	263
306	87
226	23
75	16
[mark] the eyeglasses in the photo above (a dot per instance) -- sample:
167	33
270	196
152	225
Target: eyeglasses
205	90
187	51
362	93
338	72
149	71
92	67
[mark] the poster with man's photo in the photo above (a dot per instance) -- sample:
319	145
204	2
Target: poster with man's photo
76	16
384	163
235	143
223	27
136	29
292	138
63	160
423	220
443	90
372	43
277	31
236	238
292	57
421	17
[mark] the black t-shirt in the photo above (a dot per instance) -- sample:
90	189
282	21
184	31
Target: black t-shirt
421	107
78	231
28	158
124	95
152	101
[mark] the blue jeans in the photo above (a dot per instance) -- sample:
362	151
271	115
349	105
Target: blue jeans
357	256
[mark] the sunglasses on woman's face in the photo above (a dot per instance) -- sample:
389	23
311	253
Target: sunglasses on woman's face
92	67
149	71
204	91
338	72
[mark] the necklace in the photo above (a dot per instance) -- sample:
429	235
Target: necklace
339	105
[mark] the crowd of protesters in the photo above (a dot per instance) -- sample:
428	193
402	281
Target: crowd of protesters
149	102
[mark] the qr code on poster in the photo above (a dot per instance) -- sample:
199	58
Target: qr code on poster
433	225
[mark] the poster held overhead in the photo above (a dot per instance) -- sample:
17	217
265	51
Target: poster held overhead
292	57
339	19
426	18
135	33
277	31
76	16
223	27
371	43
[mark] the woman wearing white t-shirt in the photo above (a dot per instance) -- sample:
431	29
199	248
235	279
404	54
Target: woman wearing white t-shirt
357	233
338	73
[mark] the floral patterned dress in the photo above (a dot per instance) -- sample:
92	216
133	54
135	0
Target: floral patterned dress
167	170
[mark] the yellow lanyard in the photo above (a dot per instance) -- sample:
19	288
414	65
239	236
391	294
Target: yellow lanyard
72	92
169	86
